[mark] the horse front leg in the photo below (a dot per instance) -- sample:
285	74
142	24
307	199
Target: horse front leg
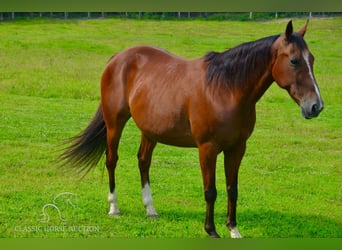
208	155
232	160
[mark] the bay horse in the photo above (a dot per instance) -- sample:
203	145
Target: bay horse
208	103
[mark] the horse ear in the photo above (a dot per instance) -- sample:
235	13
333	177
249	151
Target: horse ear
289	30
303	29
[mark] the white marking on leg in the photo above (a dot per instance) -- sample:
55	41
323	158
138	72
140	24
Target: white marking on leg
148	202
234	233
306	59
113	204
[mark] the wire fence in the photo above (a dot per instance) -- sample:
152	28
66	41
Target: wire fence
239	16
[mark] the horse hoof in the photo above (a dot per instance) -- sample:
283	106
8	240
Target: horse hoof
214	235
152	216
234	233
151	212
114	213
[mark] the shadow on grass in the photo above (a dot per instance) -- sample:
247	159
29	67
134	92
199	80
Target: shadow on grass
268	223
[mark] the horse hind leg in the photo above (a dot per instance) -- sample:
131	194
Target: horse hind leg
145	156
114	132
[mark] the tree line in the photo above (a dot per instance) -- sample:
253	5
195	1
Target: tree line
239	16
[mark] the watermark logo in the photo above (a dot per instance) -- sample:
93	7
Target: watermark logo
68	198
55	217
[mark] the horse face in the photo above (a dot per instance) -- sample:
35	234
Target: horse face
293	71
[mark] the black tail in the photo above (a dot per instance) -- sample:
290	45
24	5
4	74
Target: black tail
88	147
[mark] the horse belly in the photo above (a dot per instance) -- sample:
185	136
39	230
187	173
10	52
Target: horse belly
162	121
166	129
179	139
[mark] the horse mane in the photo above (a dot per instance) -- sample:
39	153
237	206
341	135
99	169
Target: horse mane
234	66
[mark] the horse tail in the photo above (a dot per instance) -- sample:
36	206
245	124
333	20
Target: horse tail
87	148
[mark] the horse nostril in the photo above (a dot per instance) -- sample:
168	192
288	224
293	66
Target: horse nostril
315	109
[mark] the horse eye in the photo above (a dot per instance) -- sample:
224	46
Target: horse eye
295	61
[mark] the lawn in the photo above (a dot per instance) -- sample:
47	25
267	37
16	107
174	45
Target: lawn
289	181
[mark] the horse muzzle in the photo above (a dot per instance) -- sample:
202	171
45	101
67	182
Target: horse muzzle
312	110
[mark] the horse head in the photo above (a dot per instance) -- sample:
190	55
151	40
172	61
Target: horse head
293	70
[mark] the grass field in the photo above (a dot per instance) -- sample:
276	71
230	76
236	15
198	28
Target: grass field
290	178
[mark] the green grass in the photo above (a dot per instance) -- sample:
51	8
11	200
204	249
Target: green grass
290	177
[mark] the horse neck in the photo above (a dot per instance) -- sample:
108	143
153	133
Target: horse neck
244	71
259	60
261	79
258	85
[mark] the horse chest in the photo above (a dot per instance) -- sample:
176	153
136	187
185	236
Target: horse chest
230	127
237	130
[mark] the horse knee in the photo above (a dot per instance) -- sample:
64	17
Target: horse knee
233	193
210	195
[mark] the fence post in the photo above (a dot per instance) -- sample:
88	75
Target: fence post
65	15
1	17
13	15
250	15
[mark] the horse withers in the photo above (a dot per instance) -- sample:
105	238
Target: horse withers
208	103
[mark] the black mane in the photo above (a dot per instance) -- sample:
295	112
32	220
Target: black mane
235	65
